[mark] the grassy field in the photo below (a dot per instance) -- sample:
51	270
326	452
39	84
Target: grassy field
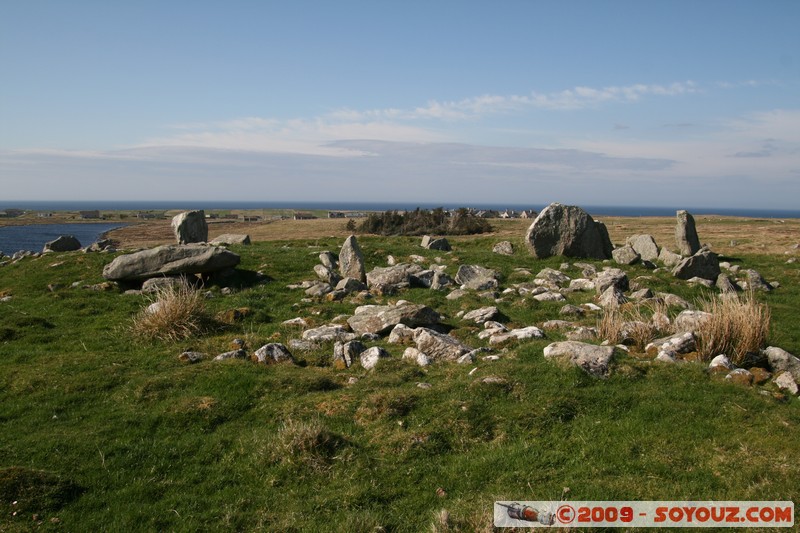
99	431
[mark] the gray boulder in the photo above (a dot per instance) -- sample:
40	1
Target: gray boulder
328	333
392	276
645	246
690	320
590	357
329	259
351	260
170	260
670	259
611	277
382	318
440	244
482	315
370	357
476	277
782	361
439	346
190	227
726	285
350	285
344	353
625	255
530	332
612	297
686	234
704	264
567	230
273	353
154	285
755	282
231	238
64	243
503	248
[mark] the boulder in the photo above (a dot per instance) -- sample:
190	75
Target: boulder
329	259
231	238
782	361
625	255
787	383
704	264
440	281
590	357
417	356
327	333
482	315
170	260
549	296
326	274
351	260
503	248
64	243
611	277
154	285
554	277
190	227
755	282
567	230
670	259
392	276
350	285
382	318
436	244
689	320
401	334
679	343
439	346
530	332
273	353
476	277
645	246
611	298
686	234
726	285
370	357
344	353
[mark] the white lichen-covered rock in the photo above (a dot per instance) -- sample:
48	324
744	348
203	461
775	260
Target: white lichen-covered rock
530	332
645	246
592	358
690	320
190	227
721	361
482	315
503	248
553	277
625	255
381	319
549	296
328	333
611	277
344	353
582	284
677	344
401	334
273	353
782	361
439	346
417	356
612	297
370	357
476	277
787	383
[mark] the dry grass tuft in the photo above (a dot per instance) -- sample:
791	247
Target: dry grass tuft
306	443
633	324
176	312
738	325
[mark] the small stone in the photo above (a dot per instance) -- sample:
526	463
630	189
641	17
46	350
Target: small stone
191	357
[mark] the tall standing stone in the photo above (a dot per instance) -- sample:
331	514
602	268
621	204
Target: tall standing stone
570	231
351	260
686	234
190	226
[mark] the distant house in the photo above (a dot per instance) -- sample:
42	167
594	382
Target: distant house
509	214
489	213
212	216
303	216
251	218
145	216
11	213
44	215
335	214
89	214
528	214
230	216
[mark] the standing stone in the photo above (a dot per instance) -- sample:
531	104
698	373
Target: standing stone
190	226
686	234
351	260
570	231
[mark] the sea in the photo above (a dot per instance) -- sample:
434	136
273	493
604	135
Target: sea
33	237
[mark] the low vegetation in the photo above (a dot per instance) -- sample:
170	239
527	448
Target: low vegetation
98	432
425	222
738	326
176	312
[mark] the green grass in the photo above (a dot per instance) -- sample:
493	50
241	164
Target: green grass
106	433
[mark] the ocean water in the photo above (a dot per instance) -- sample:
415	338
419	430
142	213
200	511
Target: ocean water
33	237
605	210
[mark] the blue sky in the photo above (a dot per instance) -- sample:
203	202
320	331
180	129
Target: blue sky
620	103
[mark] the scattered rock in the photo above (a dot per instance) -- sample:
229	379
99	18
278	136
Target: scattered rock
530	332
572	310
484	314
232	239
298	322
677	344
611	298
328	333
439	346
625	255
273	353
369	358
549	296
760	375
788	383
191	357
611	277
690	320
670	259
436	244
350	285
233	354
476	277
503	248
686	234
555	278
721	361
569	231
388	279
756	282
344	353
704	264
190	227
782	361
726	285
582	333
417	356
592	358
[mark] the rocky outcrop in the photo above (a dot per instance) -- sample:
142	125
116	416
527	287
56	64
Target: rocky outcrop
686	234
65	243
351	260
170	260
190	227
570	231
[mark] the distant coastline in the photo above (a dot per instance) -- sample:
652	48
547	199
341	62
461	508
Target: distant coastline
148	205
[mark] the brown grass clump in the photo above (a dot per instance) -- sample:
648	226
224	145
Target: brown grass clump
632	324
738	325
176	312
306	443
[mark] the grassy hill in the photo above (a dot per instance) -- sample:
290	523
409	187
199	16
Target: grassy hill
99	431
